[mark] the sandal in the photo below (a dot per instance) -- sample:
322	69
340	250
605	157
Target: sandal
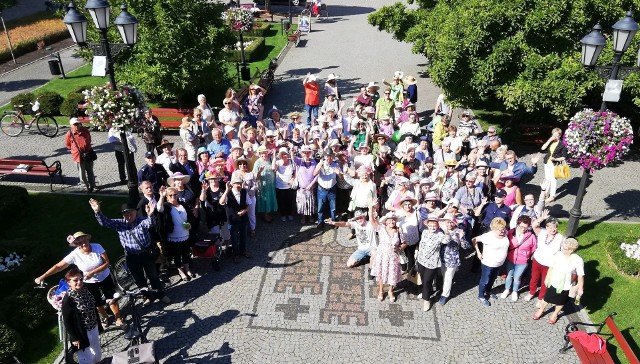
536	316
552	320
381	297
119	322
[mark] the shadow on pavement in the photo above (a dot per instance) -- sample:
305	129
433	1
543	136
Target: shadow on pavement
11	86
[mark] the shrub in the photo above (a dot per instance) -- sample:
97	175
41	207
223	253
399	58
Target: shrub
50	102
13	202
69	106
260	29
252	52
623	263
23	99
10	342
36	261
27	308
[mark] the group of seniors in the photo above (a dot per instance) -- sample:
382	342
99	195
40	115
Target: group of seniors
414	198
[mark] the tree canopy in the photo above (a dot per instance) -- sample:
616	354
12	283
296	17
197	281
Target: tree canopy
524	53
179	50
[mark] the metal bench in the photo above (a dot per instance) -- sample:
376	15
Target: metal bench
36	168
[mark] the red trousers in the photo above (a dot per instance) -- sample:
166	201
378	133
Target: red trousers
538	274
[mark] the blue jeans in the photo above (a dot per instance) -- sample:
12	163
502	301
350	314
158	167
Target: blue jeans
487	277
324	195
515	271
238	232
311	110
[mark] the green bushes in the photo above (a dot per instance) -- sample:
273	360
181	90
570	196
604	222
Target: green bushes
252	52
23	99
622	263
50	102
260	29
27	308
69	106
10	342
13	202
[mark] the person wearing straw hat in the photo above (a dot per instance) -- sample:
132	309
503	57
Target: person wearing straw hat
386	265
92	260
365	236
311	97
412	88
410	224
305	194
165	154
364	190
180	181
331	103
331	86
363	158
428	260
285	183
396	86
450	255
249	184
400	192
265	177
237	201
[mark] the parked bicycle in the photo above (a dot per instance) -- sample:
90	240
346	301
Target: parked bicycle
13	122
139	348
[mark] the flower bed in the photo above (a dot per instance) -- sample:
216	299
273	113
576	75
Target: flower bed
597	139
252	52
624	256
25	33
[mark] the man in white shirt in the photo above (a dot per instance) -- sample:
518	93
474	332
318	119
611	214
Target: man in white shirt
365	236
444	154
327	171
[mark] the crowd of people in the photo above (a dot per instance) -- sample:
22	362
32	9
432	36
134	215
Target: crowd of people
415	195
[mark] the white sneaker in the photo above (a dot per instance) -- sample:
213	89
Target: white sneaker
514	296
419	296
505	294
427	306
528	297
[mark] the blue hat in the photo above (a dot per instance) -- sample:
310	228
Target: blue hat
202	150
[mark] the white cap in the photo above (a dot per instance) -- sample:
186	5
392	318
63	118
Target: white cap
228	128
74	121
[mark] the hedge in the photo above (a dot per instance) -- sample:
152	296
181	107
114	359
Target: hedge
10	343
26	32
623	263
13	202
252	52
260	29
27	309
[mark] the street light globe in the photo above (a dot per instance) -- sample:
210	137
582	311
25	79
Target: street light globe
76	24
127	25
623	32
592	45
99	10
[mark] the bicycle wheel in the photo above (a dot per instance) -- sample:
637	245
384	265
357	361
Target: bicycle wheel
12	124
47	126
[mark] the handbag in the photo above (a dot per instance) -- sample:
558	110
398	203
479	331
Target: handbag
415	279
88	156
143	353
561	171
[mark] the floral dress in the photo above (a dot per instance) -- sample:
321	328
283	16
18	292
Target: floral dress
386	266
450	254
266	190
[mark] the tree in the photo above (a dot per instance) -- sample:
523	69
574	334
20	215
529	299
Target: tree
179	50
6	4
525	54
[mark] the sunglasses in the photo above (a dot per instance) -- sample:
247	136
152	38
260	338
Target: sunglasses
172	195
76	280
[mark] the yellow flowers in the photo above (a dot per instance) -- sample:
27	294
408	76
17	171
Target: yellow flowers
32	33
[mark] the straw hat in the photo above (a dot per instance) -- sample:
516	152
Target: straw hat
409	199
180	176
241	159
210	175
71	239
262	149
389	215
331	77
295	114
165	143
431	196
373	85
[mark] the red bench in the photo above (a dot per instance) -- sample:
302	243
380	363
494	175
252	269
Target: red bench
586	356
171	118
36	168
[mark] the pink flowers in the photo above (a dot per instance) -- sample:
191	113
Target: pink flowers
597	139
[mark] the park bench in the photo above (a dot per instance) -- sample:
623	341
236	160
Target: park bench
294	37
34	168
587	356
171	118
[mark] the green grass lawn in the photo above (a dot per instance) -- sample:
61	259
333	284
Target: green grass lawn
606	290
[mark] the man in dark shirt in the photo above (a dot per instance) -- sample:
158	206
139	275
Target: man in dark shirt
495	209
152	172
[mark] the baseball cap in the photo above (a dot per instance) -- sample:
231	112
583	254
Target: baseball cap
149	155
501	193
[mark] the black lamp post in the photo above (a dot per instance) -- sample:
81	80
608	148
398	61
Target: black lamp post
244	71
592	45
127	25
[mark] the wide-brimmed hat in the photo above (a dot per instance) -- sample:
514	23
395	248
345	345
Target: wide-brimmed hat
389	215
219	161
165	143
305	149
363	145
450	163
236	162
228	129
272	110
454	202
414	178
385	136
373	85
71	239
363	170
209	175
358	214
401	180
334	142
295	114
369	110
312	78
481	163
398	75
426	181
283	151
331	76
410	199
399	167
448	217
202	150
262	149
431	217
410	104
384	149
431	196
178	175
410	80
399	105
236	178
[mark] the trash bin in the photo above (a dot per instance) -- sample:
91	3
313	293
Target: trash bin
245	73
54	67
286	25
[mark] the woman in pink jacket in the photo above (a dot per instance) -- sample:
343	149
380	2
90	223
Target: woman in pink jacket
522	244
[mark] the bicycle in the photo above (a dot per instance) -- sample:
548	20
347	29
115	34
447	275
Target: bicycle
139	347
13	122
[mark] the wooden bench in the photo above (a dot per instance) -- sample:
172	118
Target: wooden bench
586	356
37	168
294	37
171	118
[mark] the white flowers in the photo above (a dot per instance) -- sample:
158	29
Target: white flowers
631	250
11	261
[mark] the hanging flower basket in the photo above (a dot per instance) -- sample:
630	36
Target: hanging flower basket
597	139
239	19
113	109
